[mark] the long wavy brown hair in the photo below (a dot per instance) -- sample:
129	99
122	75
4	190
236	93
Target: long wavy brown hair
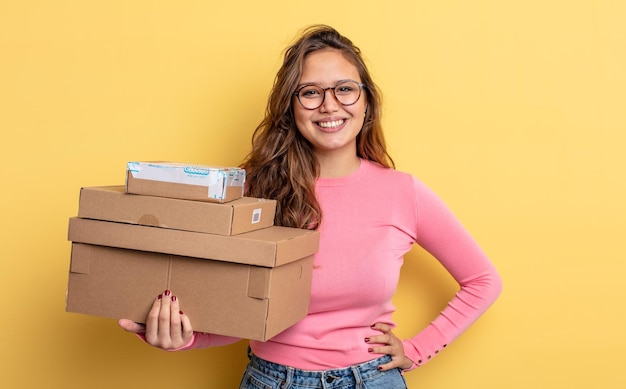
282	164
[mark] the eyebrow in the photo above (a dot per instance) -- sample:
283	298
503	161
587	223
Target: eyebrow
320	85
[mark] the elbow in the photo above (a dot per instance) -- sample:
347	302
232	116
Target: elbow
495	285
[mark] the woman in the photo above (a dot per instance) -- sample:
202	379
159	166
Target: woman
320	152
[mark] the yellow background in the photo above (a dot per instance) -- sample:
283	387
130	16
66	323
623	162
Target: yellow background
513	111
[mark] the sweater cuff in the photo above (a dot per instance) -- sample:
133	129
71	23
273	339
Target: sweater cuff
420	358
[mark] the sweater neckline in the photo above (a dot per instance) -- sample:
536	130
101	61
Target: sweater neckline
345	180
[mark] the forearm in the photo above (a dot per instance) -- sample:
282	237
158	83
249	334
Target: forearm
202	340
473	299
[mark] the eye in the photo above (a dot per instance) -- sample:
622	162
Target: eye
310	92
346	88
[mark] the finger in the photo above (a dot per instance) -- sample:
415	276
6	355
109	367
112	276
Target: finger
388	366
388	350
163	332
175	322
186	324
402	363
379	339
131	326
182	332
382	327
397	357
385	344
152	321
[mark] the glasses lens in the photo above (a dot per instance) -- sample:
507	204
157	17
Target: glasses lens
311	96
347	92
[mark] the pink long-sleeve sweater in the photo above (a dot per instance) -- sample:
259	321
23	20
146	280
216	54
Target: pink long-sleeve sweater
371	218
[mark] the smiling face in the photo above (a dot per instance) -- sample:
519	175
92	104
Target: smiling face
332	128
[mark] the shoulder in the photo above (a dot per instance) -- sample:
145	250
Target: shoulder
402	184
378	172
397	186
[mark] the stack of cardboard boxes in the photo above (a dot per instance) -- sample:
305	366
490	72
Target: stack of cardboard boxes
189	229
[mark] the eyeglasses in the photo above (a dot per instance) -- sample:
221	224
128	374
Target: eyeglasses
346	92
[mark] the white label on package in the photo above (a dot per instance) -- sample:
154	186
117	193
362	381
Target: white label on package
256	215
215	178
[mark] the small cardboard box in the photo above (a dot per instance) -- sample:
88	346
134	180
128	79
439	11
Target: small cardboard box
187	182
112	203
269	247
224	298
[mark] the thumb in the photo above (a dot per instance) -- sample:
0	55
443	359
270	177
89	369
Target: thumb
131	326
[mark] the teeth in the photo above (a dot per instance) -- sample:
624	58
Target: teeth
334	123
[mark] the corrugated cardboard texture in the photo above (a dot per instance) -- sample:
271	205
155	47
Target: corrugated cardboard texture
220	297
112	203
269	247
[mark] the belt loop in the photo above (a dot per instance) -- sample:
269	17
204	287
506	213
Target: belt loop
286	384
357	377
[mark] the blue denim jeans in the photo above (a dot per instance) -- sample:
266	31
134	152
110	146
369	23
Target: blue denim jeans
262	374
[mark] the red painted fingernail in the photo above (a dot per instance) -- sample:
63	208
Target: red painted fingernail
367	340
173	298
369	350
380	368
160	296
180	312
167	292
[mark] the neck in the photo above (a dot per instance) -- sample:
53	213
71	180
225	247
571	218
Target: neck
334	166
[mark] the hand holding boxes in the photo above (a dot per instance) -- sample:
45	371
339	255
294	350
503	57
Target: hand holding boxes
233	271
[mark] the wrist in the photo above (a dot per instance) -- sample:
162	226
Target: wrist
407	364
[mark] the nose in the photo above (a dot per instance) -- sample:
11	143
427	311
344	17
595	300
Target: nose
330	104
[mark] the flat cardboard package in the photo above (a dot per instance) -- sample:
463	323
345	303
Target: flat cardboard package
224	298
112	203
187	182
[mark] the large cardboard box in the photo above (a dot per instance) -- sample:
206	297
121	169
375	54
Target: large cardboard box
269	247
252	285
188	182
220	297
234	217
